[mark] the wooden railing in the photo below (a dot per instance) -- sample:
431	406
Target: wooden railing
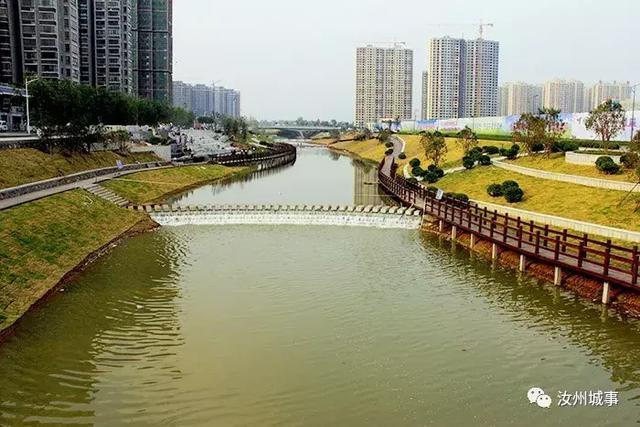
600	259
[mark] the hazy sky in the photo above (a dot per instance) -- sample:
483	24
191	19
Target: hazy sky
292	58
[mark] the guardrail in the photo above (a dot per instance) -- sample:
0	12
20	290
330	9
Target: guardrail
284	152
592	257
69	179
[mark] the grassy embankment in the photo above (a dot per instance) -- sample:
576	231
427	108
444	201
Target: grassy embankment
373	149
556	163
45	239
573	201
24	165
152	186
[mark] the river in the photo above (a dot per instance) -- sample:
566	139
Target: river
294	325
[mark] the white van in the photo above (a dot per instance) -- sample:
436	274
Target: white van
3	126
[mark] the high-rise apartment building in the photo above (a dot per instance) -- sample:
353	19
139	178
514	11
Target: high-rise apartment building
503	101
153	36
205	100
182	95
604	91
522	98
463	78
425	94
6	45
480	94
384	83
566	96
446	78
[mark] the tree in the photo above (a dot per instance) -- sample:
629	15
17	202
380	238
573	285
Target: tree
607	120
467	139
435	147
528	131
554	128
383	135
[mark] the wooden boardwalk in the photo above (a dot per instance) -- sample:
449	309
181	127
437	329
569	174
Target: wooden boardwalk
598	259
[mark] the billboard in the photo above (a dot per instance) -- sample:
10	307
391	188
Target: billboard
504	125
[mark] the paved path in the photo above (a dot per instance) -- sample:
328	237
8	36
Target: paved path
29	197
398	145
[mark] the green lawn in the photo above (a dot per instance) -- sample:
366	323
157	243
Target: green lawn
152	186
551	197
556	163
43	240
24	165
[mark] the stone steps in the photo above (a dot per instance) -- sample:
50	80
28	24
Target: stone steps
107	195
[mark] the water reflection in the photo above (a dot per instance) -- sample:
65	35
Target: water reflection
122	309
319	176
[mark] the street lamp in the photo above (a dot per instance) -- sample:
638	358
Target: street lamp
633	110
26	90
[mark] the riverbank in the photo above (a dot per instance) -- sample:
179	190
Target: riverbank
153	186
26	165
48	241
45	241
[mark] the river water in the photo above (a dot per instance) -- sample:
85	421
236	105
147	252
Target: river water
294	325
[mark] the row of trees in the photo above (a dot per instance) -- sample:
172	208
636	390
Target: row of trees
72	115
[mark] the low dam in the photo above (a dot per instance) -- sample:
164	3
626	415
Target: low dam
358	216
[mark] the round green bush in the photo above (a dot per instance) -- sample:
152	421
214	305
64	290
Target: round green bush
484	160
389	151
495	190
513	194
388	144
430	177
461	197
402	156
436	170
414	163
537	147
490	149
630	160
468	163
431	189
417	171
607	165
509	184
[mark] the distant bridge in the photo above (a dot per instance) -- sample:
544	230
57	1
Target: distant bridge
360	216
301	128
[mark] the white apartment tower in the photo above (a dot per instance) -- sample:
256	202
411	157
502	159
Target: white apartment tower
566	96
523	98
463	78
480	96
446	74
503	100
604	91
425	93
384	83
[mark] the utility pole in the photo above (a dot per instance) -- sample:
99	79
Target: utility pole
26	90
633	110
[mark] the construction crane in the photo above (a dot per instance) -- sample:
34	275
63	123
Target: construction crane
481	28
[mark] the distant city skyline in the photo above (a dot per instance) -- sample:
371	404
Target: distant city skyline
313	74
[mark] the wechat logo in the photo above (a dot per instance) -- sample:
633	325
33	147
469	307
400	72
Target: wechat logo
536	395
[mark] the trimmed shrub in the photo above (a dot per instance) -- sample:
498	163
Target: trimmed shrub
490	149
537	147
436	170
402	156
607	165
430	177
468	163
389	151
417	171
432	189
495	190
484	160
630	160
388	144
414	163
461	197
513	194
509	184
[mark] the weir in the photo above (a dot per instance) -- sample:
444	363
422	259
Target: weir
355	216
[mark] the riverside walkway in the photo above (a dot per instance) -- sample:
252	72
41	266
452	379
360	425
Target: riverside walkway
564	250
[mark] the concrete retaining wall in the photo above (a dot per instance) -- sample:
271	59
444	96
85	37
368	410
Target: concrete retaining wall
584	158
556	221
573	179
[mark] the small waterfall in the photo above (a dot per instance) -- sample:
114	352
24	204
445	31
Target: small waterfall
377	217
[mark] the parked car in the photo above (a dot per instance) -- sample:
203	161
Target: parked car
3	126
